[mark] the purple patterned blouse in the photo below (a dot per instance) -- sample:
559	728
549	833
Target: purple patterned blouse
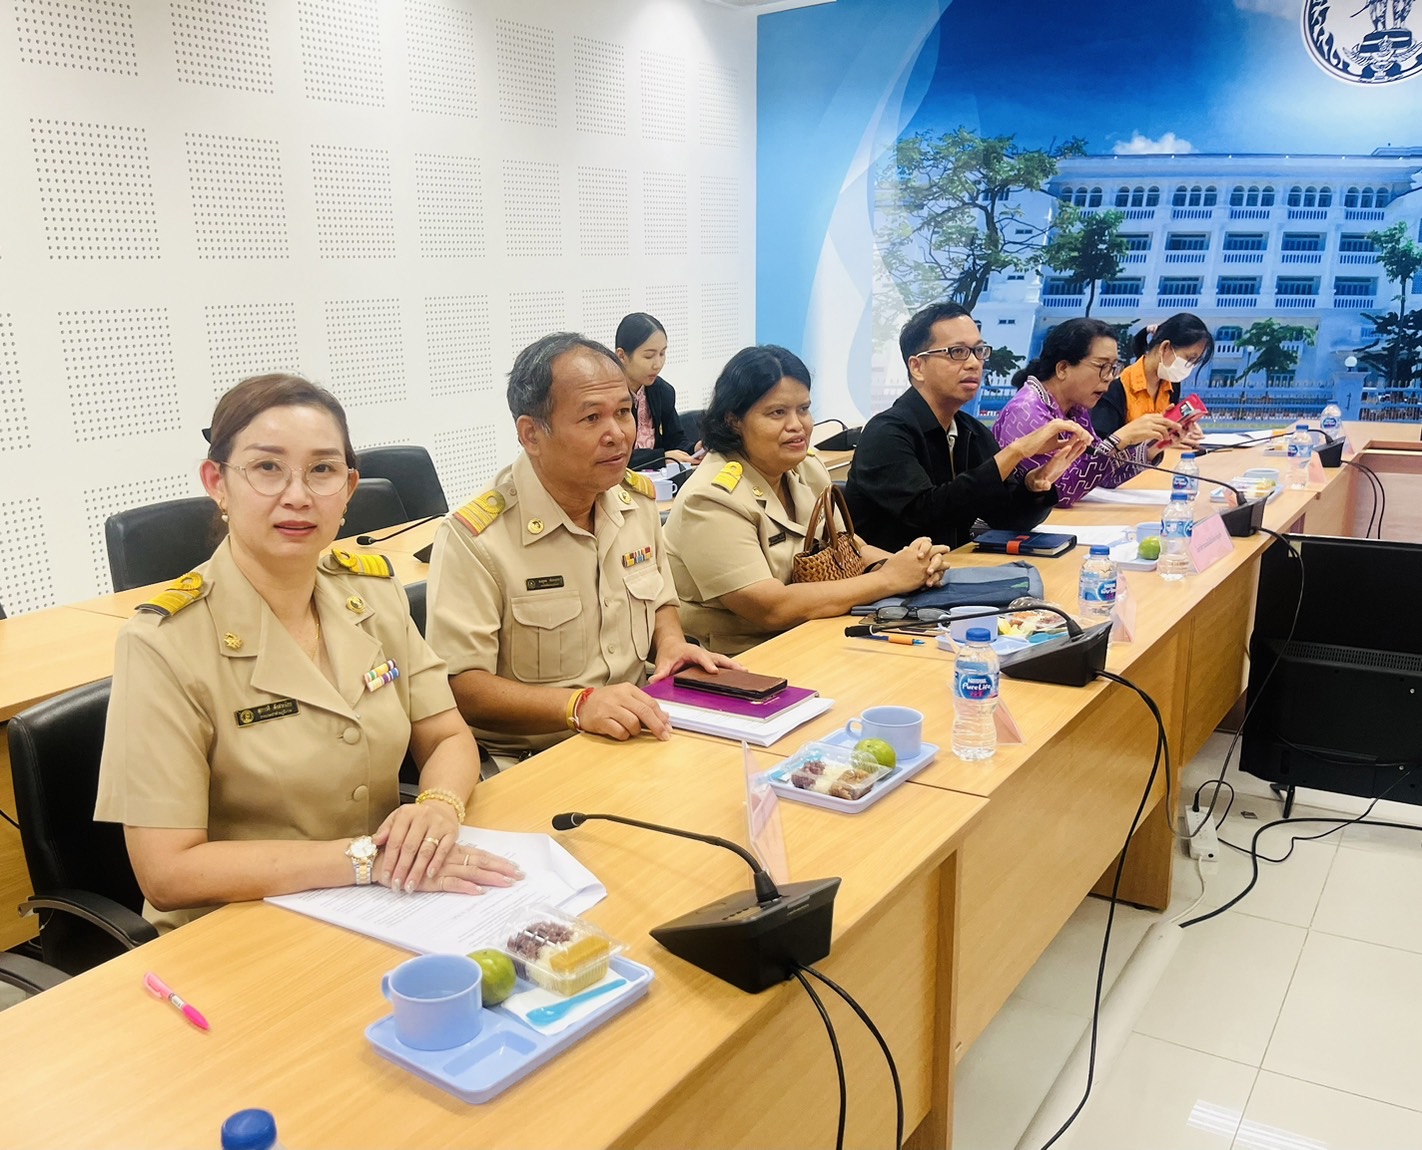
1033	407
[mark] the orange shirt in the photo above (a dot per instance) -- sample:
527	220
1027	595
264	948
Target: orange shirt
1138	400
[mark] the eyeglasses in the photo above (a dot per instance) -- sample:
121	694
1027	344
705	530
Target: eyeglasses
959	353
271	476
920	614
1108	371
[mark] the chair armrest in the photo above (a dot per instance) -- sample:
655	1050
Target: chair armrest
409	792
115	919
29	974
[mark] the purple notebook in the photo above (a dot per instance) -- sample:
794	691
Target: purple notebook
668	692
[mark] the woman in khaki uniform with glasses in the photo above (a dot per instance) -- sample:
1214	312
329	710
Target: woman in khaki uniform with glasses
244	754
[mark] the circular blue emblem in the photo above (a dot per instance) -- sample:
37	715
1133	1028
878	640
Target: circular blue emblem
1363	41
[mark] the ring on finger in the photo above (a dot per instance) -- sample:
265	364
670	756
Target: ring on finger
466	858
434	842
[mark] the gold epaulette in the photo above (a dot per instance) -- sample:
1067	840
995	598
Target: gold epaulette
640	484
363	563
476	515
728	477
185	591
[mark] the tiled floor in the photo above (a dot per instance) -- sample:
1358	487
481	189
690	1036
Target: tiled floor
1290	1022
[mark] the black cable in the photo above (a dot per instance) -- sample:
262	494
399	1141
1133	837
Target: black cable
1264	683
884	1046
4	815
1254	846
1217	783
838	1057
1376	484
1160	746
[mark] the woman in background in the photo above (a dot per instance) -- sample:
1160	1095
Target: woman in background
641	345
739	522
1164	356
1076	366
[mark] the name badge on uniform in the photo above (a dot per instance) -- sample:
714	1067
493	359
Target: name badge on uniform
774	539
377	677
641	555
544	583
248	716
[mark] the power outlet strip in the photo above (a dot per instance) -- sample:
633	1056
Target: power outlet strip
1204	844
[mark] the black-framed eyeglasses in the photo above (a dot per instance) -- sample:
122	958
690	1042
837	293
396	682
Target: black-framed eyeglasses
959	352
1108	371
918	614
271	476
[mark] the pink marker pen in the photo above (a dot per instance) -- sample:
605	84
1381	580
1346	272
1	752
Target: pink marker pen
160	989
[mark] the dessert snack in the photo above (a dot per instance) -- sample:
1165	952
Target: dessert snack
834	779
563	957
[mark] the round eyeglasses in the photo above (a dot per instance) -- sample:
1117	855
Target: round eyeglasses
960	353
271	476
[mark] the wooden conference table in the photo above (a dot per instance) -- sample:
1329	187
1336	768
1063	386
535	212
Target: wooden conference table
1027	835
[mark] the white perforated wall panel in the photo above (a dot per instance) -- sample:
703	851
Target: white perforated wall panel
392	197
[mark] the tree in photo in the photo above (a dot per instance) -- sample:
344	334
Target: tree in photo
1002	363
1396	349
1401	258
946	213
1267	343
1089	248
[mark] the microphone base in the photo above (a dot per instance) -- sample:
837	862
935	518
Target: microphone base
1331	453
754	946
1243	521
1071	662
846	440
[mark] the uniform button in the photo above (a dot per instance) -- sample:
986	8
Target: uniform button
611	650
360	792
351	735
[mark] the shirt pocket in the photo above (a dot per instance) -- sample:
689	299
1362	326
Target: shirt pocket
547	640
644	589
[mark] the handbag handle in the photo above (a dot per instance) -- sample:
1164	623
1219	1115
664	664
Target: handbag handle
831	499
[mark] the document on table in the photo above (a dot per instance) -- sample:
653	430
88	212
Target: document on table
1088	535
1127	495
449	923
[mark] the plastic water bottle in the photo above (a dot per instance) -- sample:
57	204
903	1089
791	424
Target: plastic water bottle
1331	421
250	1130
975	677
1175	527
1097	590
1189	482
1300	455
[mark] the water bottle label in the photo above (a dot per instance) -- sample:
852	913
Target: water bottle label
1300	449
1176	528
1330	424
1099	591
1180	483
978	686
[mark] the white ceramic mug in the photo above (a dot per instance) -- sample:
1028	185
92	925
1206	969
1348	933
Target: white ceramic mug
900	727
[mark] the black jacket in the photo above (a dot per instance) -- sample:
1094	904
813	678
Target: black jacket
902	483
1109	414
661	399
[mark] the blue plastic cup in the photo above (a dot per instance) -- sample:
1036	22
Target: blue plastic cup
438	1000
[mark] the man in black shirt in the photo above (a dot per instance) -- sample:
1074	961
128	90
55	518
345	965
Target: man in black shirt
925	467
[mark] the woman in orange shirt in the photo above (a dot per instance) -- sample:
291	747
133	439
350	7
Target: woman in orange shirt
1163	357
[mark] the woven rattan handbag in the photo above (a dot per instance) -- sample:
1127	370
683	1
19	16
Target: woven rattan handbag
835	556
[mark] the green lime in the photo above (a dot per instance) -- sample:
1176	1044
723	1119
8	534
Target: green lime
1149	548
882	752
499	977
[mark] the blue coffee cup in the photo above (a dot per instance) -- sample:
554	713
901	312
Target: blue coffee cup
438	1000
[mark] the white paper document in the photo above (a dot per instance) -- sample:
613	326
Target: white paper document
1155	496
448	923
758	732
1088	536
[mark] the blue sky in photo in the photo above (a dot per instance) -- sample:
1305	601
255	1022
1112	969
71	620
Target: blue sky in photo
1222	75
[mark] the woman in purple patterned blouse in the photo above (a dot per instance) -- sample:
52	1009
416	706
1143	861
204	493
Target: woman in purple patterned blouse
1077	363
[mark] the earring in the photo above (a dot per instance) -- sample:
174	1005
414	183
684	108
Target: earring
343	515
224	513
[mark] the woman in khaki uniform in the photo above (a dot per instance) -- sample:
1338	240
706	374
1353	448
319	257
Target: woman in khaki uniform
741	518
244	754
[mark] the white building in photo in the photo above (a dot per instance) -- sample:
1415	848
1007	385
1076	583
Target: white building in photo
1232	238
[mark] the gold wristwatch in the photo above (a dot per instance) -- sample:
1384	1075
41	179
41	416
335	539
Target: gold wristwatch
362	852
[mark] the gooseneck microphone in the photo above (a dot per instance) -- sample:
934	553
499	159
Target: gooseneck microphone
765	889
751	940
368	540
1241	521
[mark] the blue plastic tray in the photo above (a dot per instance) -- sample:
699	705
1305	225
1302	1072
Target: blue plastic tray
507	1049
780	779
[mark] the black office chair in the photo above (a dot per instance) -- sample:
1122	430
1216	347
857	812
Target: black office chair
413	472
86	896
159	541
691	427
29	974
416	594
375	505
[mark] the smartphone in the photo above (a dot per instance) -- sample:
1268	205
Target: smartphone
1187	411
736	684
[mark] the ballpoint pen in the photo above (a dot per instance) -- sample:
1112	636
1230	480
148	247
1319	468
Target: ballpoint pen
160	989
902	640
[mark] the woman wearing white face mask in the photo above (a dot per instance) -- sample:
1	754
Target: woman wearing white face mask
1164	356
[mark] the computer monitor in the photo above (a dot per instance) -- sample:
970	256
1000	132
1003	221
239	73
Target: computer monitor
1339	706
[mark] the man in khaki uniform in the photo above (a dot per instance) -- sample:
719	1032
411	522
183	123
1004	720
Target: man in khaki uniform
220	721
550	591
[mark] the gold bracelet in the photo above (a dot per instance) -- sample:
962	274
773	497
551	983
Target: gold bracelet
568	719
440	795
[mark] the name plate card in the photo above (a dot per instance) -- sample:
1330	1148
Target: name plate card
1209	543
